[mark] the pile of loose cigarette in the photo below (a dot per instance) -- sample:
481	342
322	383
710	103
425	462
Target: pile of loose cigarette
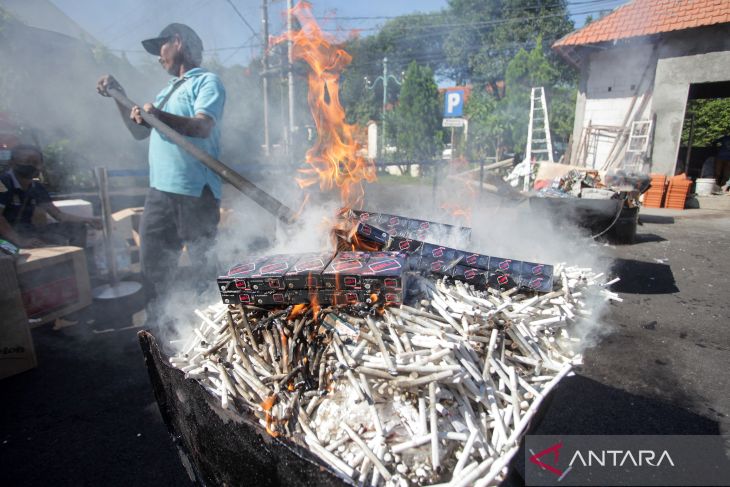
438	392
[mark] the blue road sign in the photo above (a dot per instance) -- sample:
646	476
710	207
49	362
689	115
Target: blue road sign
454	103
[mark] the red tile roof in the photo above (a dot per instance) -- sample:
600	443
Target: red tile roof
646	17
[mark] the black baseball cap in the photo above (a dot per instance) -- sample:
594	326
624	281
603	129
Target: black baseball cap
188	36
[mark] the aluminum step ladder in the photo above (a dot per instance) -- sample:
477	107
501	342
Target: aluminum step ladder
539	143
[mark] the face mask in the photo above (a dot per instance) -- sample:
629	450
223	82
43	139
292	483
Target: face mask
26	171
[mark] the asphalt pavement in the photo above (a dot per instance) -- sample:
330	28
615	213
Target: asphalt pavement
87	416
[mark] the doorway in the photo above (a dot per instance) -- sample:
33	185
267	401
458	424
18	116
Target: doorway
707	119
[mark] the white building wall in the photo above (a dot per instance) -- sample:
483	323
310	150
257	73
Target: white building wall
613	78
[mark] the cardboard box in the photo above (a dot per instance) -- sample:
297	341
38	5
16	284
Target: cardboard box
54	281
17	353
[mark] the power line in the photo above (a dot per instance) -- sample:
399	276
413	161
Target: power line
213	49
472	25
242	18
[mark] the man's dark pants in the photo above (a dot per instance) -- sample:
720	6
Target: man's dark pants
169	222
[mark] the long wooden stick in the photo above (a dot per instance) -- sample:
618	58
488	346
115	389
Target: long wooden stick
259	196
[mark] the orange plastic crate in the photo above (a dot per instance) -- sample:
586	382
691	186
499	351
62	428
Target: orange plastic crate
677	192
654	196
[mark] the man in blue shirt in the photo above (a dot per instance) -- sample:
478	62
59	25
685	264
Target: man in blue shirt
182	204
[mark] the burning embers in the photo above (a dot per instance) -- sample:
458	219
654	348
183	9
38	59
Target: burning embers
439	390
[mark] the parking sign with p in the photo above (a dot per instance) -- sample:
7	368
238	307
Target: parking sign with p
454	102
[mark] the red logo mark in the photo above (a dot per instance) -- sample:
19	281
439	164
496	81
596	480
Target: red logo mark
472	259
404	245
438	252
366	230
504	265
537	269
385	265
275	268
242	269
309	265
347	265
555	450
470	273
536	282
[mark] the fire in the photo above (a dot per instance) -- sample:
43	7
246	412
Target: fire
458	211
314	303
333	159
297	311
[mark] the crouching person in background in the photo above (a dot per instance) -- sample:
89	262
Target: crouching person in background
21	195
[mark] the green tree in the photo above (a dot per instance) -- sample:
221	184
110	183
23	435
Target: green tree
418	115
487	34
502	123
712	121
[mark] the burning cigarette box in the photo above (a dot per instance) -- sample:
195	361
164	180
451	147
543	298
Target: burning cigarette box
339	297
470	275
237	277
537	277
405	245
300	296
410	227
504	273
306	273
366	271
372	235
266	298
270	274
451	257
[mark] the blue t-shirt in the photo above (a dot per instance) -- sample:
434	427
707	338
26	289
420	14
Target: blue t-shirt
172	169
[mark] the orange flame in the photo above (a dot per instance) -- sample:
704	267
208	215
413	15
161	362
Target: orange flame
333	158
314	303
297	311
458	211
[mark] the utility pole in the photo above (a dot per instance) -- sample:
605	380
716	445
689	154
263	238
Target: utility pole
384	79
290	47
265	74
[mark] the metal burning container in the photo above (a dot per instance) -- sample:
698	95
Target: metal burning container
220	447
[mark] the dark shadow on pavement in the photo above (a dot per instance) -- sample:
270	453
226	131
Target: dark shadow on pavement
86	415
639	277
657	219
647	238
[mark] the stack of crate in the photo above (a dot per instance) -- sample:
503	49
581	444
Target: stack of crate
655	195
677	192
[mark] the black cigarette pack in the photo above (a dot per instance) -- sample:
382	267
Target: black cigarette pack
237	277
470	275
405	245
270	275
371	272
537	277
450	257
306	273
372	235
504	273
409	227
340	297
